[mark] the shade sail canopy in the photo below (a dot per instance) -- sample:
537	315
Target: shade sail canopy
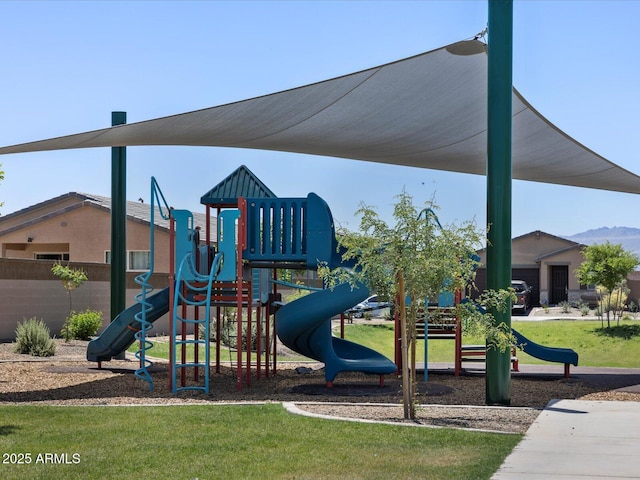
426	111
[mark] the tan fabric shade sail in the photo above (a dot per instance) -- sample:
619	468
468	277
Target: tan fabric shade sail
426	111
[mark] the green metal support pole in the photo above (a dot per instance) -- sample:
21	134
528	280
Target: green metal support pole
118	222
499	176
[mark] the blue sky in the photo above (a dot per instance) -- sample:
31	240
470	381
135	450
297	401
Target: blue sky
67	65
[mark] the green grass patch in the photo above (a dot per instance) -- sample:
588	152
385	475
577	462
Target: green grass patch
233	442
380	338
618	346
160	349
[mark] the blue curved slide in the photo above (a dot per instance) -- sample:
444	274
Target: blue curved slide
119	335
304	326
549	354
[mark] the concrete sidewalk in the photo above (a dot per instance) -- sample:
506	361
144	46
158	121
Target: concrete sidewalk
577	439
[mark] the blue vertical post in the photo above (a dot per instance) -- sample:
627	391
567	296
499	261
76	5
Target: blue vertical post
118	223
499	176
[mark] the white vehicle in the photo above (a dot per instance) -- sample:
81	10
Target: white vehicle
369	305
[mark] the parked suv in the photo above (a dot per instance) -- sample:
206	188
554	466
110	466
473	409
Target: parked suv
523	296
368	305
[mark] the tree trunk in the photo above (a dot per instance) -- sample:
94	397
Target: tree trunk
406	387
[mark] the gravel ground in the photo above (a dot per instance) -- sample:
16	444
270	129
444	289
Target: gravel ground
68	379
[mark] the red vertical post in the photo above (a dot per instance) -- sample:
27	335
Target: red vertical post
218	331
249	333
267	338
458	355
275	326
259	341
196	348
172	288
183	349
242	204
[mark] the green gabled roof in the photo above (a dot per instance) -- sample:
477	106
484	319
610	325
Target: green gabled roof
241	183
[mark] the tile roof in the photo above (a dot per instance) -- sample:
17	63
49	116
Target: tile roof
136	211
142	212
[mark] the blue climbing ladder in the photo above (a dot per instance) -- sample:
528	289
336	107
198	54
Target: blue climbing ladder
192	289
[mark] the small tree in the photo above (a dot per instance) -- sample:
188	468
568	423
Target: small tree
415	260
71	278
606	265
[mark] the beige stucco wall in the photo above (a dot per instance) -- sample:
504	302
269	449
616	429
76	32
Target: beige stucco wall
534	251
29	289
572	259
37	211
527	249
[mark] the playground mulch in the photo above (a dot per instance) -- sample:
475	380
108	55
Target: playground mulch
68	379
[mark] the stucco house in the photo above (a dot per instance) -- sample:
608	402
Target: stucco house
548	264
76	227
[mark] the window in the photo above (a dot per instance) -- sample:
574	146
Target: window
137	260
52	256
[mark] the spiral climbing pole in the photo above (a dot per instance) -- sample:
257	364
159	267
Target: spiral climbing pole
156	200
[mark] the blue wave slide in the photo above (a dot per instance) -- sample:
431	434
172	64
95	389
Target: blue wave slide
119	335
549	354
304	326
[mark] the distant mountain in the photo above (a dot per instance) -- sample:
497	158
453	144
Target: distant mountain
628	237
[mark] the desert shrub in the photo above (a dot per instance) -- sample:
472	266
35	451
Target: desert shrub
82	325
565	306
229	336
34	338
584	308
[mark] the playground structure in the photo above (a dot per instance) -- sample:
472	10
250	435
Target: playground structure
237	271
441	323
255	236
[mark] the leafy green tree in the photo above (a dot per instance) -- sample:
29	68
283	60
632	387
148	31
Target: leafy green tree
606	265
412	261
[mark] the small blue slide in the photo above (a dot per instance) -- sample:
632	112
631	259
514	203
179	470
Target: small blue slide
567	356
119	335
304	326
550	354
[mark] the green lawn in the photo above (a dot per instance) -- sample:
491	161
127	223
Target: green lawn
596	347
232	442
160	349
264	442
